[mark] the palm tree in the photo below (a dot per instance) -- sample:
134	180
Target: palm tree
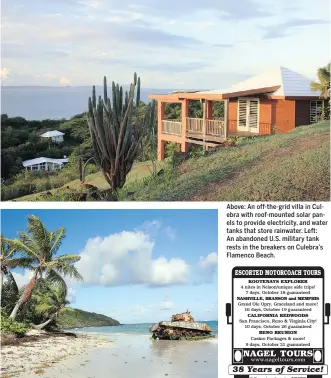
41	246
50	302
9	293
8	261
323	86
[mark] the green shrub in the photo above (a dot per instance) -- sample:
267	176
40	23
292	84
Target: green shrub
196	152
27	182
19	329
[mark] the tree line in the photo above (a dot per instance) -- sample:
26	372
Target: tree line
44	297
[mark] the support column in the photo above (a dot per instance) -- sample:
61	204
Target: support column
226	117
204	117
160	142
160	149
184	144
209	109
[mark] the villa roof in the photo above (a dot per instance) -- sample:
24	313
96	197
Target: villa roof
277	82
289	83
53	133
40	160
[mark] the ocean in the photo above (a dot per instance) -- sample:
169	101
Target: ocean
37	103
132	353
134	329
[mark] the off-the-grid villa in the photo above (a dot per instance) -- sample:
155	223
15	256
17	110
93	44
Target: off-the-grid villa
273	102
44	164
54	135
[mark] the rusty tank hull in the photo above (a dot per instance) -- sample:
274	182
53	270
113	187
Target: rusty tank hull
180	330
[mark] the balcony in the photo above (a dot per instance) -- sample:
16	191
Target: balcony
196	128
213	130
172	127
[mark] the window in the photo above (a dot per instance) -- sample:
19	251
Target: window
316	111
248	114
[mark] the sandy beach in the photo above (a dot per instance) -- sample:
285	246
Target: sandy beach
116	356
34	357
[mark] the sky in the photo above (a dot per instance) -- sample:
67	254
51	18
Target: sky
138	265
208	44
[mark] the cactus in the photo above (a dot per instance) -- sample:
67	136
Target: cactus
82	168
115	138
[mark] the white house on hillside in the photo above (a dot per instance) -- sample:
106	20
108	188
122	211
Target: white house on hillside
54	135
44	164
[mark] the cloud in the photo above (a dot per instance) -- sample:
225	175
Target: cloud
169	272
206	268
46	76
71	295
287	28
4	73
22	278
140	309
156	227
236	9
170	232
167	305
223	45
152	225
126	258
65	80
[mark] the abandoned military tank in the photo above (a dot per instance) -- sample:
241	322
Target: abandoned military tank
181	327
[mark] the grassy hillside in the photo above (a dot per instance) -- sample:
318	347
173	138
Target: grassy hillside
293	166
139	171
80	319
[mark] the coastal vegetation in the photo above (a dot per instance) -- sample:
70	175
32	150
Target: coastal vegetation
323	84
76	318
43	302
115	139
21	141
291	166
43	298
38	248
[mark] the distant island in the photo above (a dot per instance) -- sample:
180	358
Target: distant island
81	319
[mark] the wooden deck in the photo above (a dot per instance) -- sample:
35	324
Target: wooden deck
208	131
196	130
241	134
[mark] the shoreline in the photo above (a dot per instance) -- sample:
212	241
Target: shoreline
92	326
37	353
50	355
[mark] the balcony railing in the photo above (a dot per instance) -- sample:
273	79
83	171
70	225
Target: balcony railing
215	127
207	127
263	129
172	127
195	126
